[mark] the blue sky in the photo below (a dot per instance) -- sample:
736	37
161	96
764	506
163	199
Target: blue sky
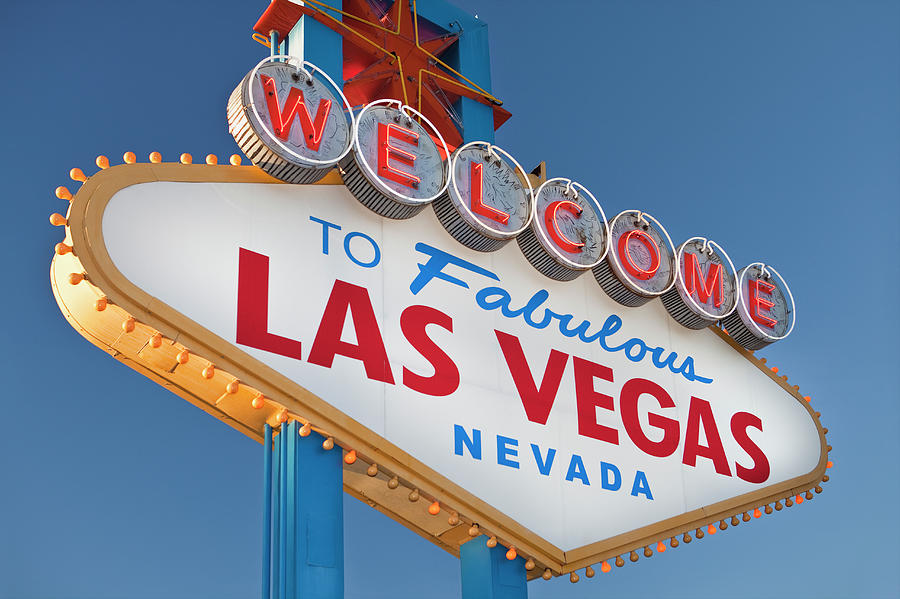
772	126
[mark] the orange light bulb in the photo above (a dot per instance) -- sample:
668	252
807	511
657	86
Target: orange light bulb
434	509
209	372
57	219
711	529
186	158
257	402
128	324
212	159
156	340
232	387
829	464
100	304
757	513
235	160
76	175
183	356
282	415
660	548
62	249
350	457
155	157
328	444
605	567
63	193
511	554
305	430
102	162
129	157
75	278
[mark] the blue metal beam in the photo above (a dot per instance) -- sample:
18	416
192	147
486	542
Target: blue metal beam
487	574
267	513
471	57
303	547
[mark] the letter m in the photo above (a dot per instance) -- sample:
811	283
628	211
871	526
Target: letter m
694	282
282	119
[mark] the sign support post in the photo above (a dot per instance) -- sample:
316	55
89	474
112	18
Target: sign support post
303	554
487	574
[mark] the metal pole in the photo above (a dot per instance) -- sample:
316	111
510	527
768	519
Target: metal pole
285	521
487	574
267	512
273	43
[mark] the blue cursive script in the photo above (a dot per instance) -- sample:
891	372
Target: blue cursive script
498	298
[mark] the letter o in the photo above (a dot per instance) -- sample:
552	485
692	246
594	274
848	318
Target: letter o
625	255
375	260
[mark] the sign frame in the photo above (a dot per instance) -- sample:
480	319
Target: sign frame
150	337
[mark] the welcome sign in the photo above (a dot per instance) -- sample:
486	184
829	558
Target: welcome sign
541	412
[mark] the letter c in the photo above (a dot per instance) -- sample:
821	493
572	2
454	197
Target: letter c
566	244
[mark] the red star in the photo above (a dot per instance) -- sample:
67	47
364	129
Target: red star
398	55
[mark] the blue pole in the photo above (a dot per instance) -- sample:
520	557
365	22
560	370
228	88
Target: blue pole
276	530
285	521
290	511
267	513
487	574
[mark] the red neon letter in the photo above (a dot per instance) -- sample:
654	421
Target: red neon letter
566	244
756	303
760	471
628	404
537	402
253	307
587	400
693	281
476	196
283	119
445	379
386	152
625	255
700	416
345	298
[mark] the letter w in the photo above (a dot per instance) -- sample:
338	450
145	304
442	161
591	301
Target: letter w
693	280
283	118
537	401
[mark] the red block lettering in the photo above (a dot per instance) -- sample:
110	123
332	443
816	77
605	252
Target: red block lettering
628	404
388	152
756	303
283	118
445	379
476	198
760	471
587	400
564	243
714	284
700	416
537	402
253	307
628	263
347	298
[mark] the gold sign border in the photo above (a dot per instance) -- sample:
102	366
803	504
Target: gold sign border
149	336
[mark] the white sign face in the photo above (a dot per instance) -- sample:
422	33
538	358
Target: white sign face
577	417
